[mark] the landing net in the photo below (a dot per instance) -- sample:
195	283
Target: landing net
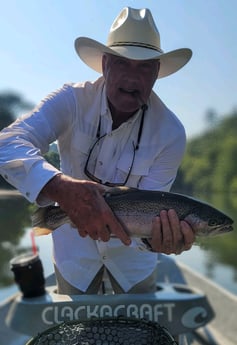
105	332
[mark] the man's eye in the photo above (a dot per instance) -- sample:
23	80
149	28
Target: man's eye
120	62
146	66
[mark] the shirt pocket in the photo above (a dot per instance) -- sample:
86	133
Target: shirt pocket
141	165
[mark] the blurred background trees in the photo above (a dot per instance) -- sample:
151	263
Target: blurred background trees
210	162
12	105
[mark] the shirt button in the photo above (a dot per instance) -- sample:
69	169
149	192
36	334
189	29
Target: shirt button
104	257
100	163
28	194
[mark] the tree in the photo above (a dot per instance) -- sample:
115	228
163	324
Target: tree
53	158
210	162
11	104
212	118
226	166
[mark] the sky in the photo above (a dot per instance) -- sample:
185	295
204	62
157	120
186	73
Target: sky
37	52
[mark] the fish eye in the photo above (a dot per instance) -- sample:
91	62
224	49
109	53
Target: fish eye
212	222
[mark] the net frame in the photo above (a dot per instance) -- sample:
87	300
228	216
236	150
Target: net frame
108	331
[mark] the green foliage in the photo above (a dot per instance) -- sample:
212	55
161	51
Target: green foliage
11	104
226	165
210	162
53	158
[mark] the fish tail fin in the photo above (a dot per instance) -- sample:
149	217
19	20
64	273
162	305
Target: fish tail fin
38	222
38	231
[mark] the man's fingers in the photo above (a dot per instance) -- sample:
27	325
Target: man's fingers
166	232
101	228
119	231
188	234
170	235
157	237
82	233
111	225
178	238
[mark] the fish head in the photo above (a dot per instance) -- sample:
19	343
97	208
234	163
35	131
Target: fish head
208	221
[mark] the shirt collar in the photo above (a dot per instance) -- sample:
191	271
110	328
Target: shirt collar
104	109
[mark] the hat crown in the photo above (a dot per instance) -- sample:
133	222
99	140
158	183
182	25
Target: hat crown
133	35
134	27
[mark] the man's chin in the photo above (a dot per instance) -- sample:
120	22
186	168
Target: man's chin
127	102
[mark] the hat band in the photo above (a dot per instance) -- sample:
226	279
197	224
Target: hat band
136	44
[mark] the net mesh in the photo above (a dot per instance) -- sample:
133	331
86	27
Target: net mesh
105	332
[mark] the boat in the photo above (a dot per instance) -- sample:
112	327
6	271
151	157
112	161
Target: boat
190	306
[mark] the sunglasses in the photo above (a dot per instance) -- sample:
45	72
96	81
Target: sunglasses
92	177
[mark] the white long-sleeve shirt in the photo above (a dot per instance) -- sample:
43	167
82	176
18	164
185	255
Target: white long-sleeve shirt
71	116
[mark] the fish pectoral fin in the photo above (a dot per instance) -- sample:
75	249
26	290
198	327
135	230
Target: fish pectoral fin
41	231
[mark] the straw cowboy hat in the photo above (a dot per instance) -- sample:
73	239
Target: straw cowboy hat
133	35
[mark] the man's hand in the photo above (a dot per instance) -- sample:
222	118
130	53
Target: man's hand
84	203
170	235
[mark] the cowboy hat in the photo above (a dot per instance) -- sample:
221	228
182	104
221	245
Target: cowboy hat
133	35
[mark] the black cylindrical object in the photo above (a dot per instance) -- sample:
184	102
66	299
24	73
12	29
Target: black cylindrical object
29	274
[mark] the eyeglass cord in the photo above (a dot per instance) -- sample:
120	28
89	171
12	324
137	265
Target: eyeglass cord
144	107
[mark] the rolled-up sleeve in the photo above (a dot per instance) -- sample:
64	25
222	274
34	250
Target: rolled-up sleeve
24	142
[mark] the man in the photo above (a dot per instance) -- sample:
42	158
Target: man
114	131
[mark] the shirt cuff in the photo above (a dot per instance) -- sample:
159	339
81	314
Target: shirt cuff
38	176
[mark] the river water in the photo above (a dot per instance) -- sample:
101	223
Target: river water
215	258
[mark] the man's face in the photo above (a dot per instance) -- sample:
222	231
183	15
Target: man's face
128	82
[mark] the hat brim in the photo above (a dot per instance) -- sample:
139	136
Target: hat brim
91	52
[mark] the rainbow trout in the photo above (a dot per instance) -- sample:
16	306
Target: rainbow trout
135	209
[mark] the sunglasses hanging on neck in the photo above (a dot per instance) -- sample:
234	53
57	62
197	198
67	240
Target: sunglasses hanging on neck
135	148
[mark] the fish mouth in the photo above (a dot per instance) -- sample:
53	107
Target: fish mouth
222	229
228	228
